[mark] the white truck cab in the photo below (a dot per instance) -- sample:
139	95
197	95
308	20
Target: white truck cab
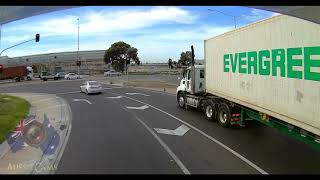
187	83
29	73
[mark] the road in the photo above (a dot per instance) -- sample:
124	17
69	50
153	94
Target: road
115	133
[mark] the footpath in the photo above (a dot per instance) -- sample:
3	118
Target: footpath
36	145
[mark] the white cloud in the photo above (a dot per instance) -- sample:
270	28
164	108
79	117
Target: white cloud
257	14
100	22
203	32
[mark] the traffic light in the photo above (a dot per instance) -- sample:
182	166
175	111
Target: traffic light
1	68
37	37
78	63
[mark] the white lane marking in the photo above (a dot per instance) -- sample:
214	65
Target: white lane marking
116	97
180	131
138	108
72	92
152	90
51	107
137	94
164	145
45	99
113	88
82	100
206	135
69	92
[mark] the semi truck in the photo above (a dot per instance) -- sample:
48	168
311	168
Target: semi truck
16	73
268	71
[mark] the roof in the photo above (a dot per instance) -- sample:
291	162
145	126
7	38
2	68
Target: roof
12	13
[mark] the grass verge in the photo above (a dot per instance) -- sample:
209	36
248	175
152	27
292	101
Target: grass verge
12	110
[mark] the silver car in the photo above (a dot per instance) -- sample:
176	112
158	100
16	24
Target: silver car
112	73
89	87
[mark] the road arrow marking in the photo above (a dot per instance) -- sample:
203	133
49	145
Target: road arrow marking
116	97
180	131
138	108
137	94
82	100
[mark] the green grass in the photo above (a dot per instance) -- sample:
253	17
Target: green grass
12	110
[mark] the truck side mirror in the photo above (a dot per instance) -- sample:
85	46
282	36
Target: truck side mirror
184	73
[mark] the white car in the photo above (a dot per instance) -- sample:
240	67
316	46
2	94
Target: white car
89	87
112	73
71	76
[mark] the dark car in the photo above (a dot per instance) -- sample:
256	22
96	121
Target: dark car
60	75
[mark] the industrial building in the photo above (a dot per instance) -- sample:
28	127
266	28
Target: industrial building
91	61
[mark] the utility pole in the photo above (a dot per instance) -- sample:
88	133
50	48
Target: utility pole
78	47
0	34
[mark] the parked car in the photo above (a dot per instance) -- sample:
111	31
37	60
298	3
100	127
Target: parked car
46	75
112	73
60	75
71	76
89	87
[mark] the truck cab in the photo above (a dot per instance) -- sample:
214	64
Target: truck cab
193	81
191	87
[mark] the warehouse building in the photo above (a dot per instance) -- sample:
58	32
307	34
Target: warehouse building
91	61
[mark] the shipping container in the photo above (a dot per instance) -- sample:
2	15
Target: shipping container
13	72
271	66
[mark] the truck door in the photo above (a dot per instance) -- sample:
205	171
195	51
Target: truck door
188	80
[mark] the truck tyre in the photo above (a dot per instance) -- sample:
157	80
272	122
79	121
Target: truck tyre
210	111
224	115
44	79
181	100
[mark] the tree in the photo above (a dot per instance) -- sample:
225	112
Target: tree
132	55
185	58
119	54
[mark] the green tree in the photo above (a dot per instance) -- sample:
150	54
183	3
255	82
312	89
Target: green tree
120	53
185	58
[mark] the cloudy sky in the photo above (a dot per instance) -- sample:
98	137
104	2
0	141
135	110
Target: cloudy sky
159	33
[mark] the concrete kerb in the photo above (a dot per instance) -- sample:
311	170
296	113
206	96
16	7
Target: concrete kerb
60	119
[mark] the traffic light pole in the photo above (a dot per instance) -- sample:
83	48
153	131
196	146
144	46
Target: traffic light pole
15	46
36	39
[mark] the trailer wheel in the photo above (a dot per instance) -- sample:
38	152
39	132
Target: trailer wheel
181	100
210	110
224	115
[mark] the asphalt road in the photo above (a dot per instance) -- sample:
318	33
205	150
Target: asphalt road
109	137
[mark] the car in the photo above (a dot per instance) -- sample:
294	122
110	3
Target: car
71	76
89	87
112	73
46	75
60	75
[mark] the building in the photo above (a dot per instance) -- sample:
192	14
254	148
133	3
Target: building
91	61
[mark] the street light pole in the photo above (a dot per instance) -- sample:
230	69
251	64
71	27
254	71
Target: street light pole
78	47
234	17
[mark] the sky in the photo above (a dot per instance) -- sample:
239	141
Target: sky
158	32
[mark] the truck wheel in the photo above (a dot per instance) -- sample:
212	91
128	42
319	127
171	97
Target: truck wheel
224	115
182	100
210	111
